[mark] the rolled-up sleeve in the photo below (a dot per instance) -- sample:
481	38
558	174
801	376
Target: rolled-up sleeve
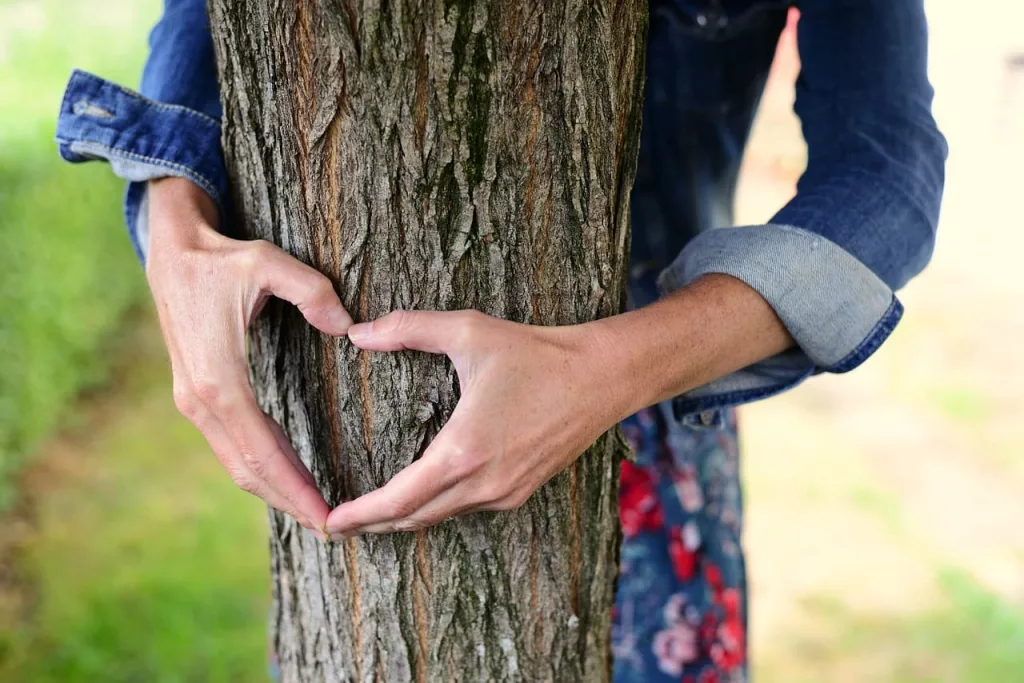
864	217
171	127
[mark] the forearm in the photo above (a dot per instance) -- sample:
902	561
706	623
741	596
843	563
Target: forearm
180	212
704	331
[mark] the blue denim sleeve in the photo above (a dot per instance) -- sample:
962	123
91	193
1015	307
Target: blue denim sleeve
864	218
170	128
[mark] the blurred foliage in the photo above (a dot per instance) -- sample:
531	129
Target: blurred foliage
144	563
67	272
67	275
138	559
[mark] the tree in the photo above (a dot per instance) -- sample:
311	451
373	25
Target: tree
434	155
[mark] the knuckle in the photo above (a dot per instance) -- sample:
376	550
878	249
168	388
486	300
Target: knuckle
398	321
491	493
187	403
320	291
410	524
262	248
399	508
254	255
514	501
255	463
468	326
207	391
472	316
322	288
249	486
465	463
244	481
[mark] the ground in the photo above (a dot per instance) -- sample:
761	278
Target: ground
883	506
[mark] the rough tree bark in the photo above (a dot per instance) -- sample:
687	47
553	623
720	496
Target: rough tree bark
434	155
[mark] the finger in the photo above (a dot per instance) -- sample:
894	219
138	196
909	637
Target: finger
196	404
464	498
289	450
312	292
408	491
253	438
430	331
217	437
453	502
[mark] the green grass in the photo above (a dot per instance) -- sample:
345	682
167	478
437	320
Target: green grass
67	272
145	562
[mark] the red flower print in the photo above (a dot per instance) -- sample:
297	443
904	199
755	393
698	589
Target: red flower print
730	633
639	508
723	639
731	602
713	575
708	676
684	557
708	626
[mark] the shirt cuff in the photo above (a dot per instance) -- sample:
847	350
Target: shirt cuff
835	308
142	140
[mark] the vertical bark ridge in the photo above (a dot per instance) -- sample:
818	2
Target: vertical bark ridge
574	539
434	155
421	592
355	613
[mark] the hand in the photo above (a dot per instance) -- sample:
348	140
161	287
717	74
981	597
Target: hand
207	290
533	399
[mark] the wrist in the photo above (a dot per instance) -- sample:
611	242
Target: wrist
180	213
603	363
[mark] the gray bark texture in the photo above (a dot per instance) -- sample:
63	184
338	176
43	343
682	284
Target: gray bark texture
434	155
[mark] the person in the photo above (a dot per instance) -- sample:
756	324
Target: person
717	317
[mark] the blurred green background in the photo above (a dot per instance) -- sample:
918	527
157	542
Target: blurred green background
884	507
125	554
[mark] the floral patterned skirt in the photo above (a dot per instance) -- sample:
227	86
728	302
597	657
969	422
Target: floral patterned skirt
680	609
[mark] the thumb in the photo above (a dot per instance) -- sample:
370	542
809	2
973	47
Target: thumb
311	291
428	331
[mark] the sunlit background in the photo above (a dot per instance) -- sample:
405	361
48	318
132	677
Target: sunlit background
885	508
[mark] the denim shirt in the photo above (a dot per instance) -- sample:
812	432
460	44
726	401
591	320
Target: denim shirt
861	225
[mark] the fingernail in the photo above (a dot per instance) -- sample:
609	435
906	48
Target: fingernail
339	317
321	536
338	537
360	330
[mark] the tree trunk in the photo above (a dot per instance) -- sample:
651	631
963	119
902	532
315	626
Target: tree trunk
434	155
